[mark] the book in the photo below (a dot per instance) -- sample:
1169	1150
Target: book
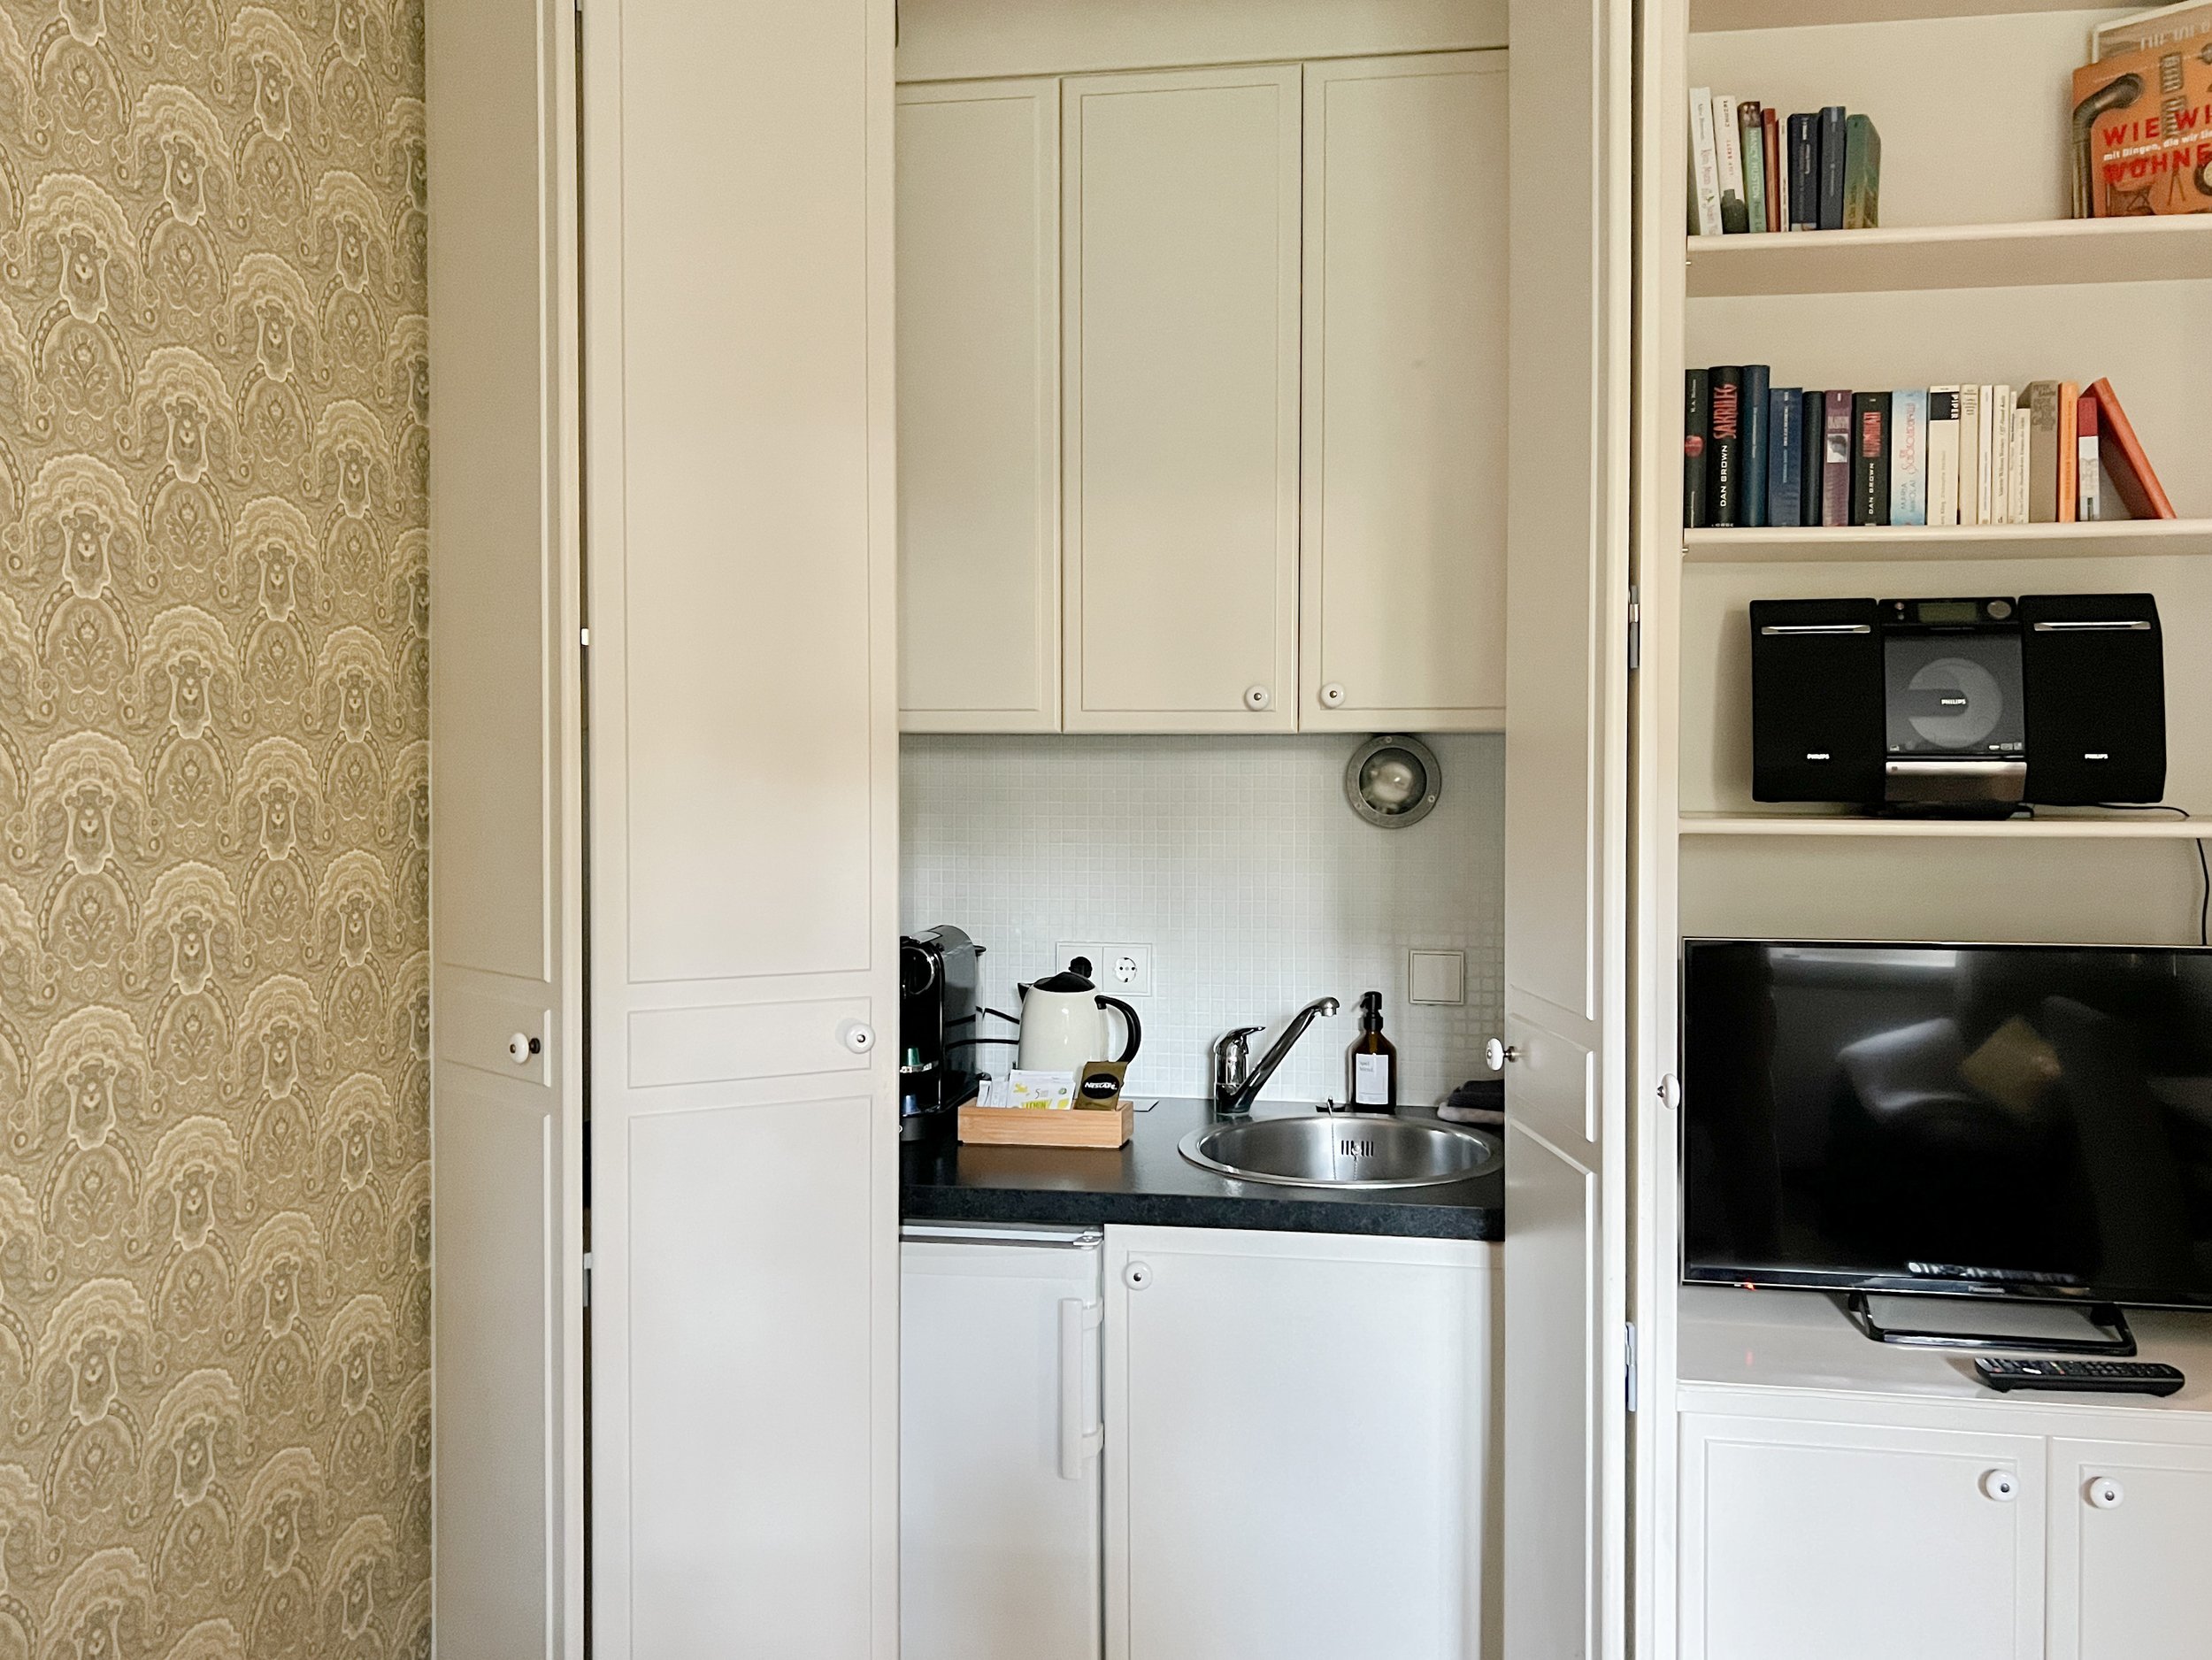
2069	451
2089	500
1831	167
1861	174
1804	165
1943	455
1870	457
1778	175
1786	456
2017	503
1751	505
1704	161
2121	453
2144	31
2041	398
1811	425
2143	133
1734	219
1974	455
2000	455
1751	138
1724	455
1697	431
1835	459
1909	458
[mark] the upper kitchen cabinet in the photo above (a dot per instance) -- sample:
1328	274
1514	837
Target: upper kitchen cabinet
979	377
1404	476
1180	319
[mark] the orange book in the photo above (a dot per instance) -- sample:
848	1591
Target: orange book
2142	134
2121	453
2069	451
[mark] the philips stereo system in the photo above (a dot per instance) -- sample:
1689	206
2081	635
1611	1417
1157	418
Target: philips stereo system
1966	707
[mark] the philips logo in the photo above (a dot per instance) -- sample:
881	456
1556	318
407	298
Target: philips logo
1816	755
2096	755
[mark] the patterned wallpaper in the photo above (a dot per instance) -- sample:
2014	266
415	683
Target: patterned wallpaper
214	1185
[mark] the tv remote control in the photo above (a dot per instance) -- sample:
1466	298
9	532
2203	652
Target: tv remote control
2084	1377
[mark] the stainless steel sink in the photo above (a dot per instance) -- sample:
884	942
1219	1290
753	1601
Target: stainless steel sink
1341	1150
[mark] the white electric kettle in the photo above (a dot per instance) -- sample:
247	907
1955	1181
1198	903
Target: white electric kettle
1064	1025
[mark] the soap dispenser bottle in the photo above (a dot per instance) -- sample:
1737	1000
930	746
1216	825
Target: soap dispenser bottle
1373	1061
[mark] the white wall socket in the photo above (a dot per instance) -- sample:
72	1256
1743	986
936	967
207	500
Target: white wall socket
1123	969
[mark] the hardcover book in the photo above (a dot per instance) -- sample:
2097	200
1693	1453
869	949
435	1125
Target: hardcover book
1704	161
2142	132
1752	505
1696	434
2042	401
1786	456
2133	481
1734	218
2018	500
1811	427
1835	460
1831	167
1777	176
1943	455
1723	456
1861	174
1909	458
1751	139
1869	466
2142	31
1998	401
1804	165
1985	453
2069	451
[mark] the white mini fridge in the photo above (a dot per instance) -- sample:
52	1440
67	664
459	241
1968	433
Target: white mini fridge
999	1438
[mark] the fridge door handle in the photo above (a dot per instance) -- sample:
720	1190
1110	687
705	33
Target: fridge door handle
1080	1439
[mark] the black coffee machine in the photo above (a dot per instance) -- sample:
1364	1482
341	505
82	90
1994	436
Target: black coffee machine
938	1006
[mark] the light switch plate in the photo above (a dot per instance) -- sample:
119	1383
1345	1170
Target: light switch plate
1437	977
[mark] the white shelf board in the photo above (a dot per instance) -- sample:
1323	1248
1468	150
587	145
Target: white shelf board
1707	15
2046	826
2050	253
2111	538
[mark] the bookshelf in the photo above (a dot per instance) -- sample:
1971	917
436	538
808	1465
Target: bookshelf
1917	258
1977	276
2106	539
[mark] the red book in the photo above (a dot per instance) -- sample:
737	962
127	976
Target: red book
2123	456
1771	126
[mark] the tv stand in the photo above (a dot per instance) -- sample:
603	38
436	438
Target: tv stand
2118	1339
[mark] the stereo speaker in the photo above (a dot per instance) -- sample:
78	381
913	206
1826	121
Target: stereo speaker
1816	705
2094	673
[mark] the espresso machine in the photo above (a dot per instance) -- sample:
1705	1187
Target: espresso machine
939	1009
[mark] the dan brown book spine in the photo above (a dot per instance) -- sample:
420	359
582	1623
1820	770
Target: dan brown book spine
1723	459
1869	458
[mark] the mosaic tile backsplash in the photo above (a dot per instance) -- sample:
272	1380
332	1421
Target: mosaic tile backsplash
1238	862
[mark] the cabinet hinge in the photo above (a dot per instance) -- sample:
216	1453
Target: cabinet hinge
1628	1358
588	1280
583	636
1635	630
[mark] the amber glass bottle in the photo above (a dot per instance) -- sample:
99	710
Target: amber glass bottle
1372	1064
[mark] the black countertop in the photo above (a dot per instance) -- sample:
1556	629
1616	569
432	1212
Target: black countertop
1151	1182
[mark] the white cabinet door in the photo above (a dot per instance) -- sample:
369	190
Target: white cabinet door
999	1403
2130	1536
1181	221
738	198
1567	1155
1832	1541
1402	578
979	421
505	831
1296	1431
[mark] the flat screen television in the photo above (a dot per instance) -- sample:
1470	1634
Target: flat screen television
1985	1120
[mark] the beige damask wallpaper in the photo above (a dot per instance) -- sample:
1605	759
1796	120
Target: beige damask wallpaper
214	1296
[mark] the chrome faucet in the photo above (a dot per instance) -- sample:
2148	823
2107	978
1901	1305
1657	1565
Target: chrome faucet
1237	1082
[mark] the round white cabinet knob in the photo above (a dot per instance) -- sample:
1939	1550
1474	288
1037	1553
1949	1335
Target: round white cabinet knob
521	1047
2105	1492
2000	1484
1496	1052
1332	695
857	1035
1136	1276
1257	697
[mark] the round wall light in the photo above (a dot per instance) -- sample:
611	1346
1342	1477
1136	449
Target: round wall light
1393	781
